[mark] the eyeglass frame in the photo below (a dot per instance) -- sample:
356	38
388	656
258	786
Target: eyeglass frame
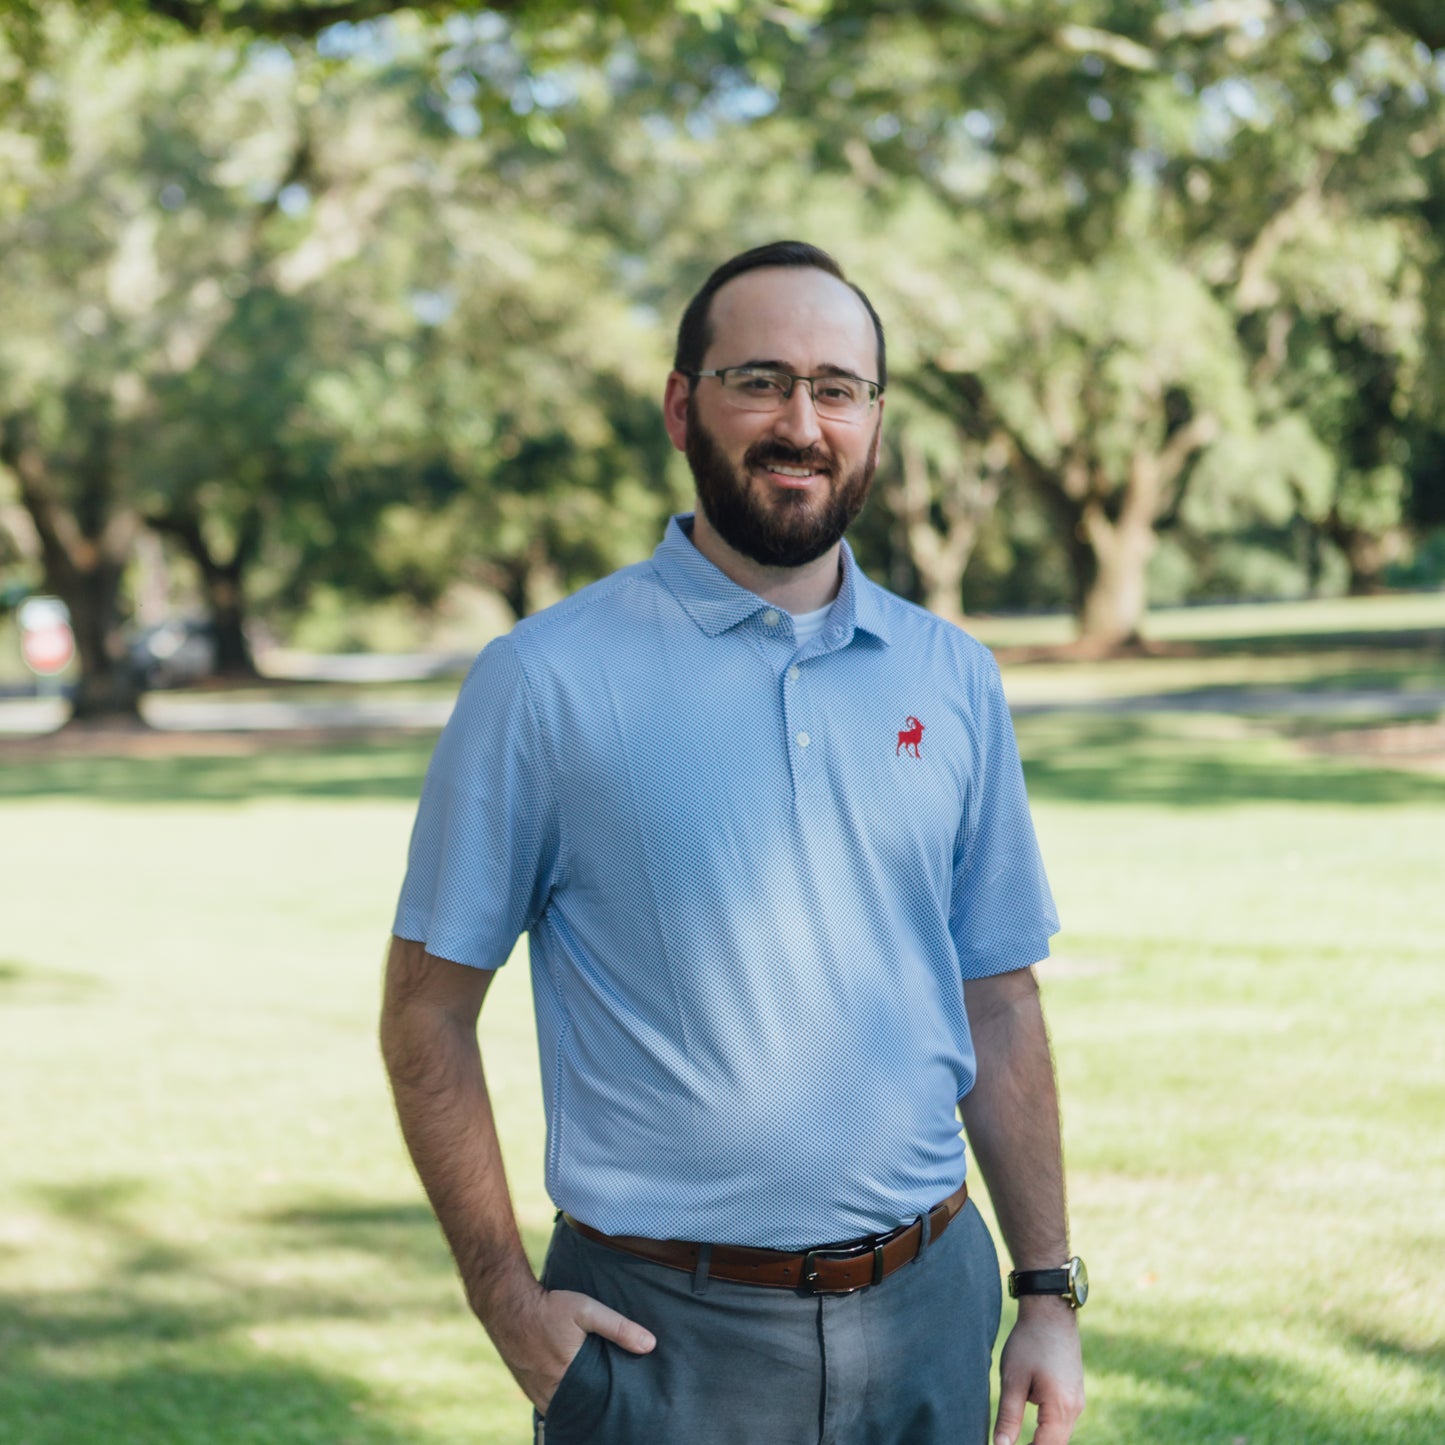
875	388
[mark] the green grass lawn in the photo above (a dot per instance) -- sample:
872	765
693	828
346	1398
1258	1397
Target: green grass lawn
209	1231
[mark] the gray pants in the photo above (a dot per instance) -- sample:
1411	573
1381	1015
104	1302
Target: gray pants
905	1362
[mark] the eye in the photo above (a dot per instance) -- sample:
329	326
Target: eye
835	391
760	383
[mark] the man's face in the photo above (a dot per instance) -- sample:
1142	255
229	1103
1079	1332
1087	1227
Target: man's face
780	487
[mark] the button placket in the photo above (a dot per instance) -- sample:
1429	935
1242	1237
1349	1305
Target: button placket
771	632
800	736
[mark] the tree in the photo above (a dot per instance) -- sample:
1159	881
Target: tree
1110	145
1159	269
1319	236
204	377
124	266
501	428
1105	402
947	483
64	460
222	455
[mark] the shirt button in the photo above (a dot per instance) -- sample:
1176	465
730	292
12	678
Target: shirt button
793	673
771	618
803	740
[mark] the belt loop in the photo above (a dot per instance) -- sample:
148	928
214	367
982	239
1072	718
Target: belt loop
926	1220
699	1274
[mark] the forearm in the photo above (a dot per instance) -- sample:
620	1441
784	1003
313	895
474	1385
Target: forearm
446	1118
429	1042
1012	1119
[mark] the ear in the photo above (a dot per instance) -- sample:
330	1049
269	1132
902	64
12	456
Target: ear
674	408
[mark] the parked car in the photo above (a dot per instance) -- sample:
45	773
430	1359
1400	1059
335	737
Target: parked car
173	653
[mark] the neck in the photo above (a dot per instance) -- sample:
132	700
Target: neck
795	589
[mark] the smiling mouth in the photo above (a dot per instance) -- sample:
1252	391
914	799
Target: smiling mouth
792	476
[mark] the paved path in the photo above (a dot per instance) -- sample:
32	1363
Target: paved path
1256	702
20	716
169	714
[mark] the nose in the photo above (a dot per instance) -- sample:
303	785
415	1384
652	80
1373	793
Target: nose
797	422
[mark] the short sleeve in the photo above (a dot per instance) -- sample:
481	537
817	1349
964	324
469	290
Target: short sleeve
485	847
1001	913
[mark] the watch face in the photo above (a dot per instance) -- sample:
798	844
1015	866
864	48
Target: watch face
1078	1282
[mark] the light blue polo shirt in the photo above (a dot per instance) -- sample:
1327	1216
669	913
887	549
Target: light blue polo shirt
753	889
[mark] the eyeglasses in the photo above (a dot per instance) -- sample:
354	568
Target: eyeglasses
760	388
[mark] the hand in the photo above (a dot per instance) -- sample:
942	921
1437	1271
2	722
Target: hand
542	1332
1042	1363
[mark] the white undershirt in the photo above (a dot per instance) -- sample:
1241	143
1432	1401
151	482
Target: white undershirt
807	625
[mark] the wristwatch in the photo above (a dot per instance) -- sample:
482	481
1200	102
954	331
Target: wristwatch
1070	1281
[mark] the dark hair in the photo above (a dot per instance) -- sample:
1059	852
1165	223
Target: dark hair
694	332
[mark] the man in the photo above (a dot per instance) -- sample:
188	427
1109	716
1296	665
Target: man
766	828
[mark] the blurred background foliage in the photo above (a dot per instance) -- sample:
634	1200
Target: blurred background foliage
345	323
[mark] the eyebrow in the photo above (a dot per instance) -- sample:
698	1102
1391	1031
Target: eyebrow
773	364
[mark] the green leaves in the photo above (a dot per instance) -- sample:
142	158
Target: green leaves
401	279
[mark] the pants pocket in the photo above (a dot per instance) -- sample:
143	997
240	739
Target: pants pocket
581	1396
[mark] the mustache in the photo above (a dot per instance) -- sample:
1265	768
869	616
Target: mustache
776	453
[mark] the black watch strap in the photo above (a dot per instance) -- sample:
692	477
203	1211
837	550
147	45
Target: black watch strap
1069	1282
1038	1281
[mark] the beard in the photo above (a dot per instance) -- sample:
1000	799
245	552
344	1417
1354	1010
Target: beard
786	528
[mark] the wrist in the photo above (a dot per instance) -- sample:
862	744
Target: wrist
504	1297
1042	1308
1068	1282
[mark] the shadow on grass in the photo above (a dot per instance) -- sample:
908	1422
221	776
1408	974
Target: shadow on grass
1429	1358
239	1399
1202	1397
100	1202
163	1347
1427	643
395	1232
22	983
1176	762
407	1236
1178	759
1376	697
387	769
128	1360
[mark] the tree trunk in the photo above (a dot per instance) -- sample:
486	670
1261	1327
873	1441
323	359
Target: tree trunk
1111	578
526	581
225	601
85	546
108	689
222	582
1106	523
1109	531
1366	553
941	518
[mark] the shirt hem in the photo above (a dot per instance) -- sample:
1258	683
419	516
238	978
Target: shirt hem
414	932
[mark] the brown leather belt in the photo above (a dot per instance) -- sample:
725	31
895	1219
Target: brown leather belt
837	1269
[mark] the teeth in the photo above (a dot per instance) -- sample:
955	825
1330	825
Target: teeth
792	471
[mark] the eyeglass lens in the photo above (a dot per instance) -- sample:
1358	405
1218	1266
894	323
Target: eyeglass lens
759	390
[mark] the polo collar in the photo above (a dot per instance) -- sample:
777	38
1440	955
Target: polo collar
716	603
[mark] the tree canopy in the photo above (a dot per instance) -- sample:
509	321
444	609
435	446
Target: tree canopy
365	301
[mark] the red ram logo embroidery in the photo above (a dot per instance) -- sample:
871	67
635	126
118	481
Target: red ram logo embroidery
909	739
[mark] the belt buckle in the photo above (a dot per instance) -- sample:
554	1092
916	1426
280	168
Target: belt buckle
872	1246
